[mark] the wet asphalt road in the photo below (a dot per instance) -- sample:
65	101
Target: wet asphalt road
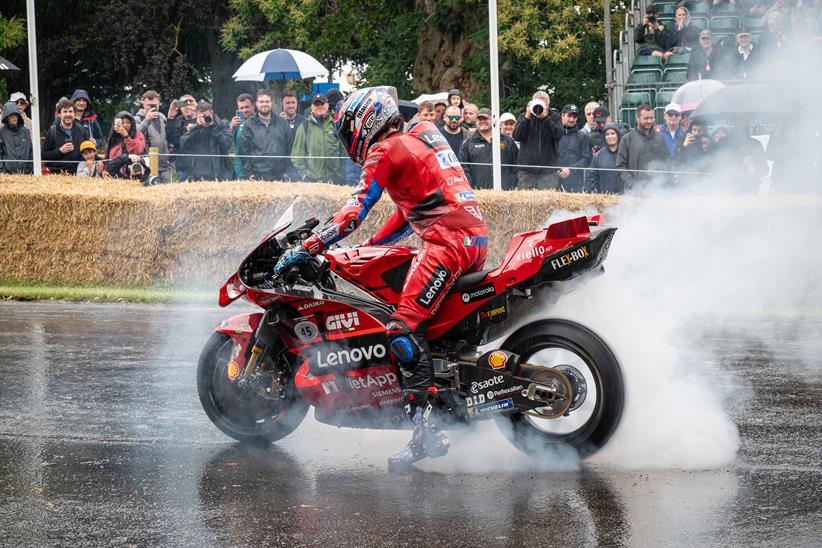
103	443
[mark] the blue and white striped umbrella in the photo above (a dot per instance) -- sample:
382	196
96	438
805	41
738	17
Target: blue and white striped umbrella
280	64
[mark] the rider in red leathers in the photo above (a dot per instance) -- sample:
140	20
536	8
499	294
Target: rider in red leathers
421	174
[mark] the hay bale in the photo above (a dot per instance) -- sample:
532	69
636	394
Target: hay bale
73	230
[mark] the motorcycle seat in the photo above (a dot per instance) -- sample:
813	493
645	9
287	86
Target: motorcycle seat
469	280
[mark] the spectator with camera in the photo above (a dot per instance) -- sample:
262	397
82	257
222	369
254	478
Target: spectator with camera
316	153
61	147
129	166
574	151
538	132
651	36
182	115
124	137
152	124
265	135
208	143
15	142
245	110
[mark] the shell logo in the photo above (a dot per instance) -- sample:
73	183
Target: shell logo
498	360
232	370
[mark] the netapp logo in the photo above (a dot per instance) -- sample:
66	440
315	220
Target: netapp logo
350	356
481	292
434	287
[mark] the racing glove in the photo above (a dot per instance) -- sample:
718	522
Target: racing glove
292	257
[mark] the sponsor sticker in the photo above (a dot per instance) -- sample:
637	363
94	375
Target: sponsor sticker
348	357
466	196
475	241
434	287
350	226
494	312
346	321
498	359
306	330
312	304
492	407
479	386
473	210
479	293
232	370
447	159
570	258
538	250
497	393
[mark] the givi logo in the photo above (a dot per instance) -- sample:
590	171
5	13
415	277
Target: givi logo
342	322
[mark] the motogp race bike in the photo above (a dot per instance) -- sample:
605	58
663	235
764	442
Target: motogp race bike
320	341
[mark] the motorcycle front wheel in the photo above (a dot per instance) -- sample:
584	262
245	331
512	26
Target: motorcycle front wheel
599	393
243	413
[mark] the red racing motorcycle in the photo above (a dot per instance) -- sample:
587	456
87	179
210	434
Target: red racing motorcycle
320	341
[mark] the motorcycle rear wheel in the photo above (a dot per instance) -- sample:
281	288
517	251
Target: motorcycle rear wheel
591	422
242	413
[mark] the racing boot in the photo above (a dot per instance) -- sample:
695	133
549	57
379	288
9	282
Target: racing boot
427	439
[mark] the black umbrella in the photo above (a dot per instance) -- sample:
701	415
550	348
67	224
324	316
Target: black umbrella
408	109
748	98
7	66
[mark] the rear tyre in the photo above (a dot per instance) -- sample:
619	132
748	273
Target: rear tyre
594	417
242	413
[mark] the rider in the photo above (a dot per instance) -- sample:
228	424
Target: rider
422	176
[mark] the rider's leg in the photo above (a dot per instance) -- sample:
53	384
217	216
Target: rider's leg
434	271
421	400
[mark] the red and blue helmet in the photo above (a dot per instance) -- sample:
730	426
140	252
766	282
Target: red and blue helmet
365	115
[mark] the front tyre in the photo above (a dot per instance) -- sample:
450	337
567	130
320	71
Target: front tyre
242	413
597	379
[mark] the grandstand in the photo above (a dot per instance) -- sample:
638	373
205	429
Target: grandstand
644	79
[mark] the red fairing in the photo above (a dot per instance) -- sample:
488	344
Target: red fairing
240	328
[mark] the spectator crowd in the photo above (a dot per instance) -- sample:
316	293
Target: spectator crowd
541	147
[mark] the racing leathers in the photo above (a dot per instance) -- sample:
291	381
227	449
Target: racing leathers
421	174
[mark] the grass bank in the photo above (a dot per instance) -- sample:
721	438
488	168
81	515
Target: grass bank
32	291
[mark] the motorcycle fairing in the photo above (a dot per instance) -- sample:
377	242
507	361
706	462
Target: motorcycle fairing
240	328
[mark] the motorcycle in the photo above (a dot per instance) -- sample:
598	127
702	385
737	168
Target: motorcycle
320	341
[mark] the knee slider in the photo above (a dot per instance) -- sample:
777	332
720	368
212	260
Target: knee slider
402	342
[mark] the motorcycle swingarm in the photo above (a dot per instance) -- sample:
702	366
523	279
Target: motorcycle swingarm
488	392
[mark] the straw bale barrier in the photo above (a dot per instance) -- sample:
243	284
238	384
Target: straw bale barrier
71	230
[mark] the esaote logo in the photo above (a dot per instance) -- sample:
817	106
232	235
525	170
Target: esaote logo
345	321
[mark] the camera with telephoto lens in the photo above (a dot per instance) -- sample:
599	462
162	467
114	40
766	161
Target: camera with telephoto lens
136	168
652	18
537	107
208	119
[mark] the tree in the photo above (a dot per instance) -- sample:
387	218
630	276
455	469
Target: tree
12	33
434	45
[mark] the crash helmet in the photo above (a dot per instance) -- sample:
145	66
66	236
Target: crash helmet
365	115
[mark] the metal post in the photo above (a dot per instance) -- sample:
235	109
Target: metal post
495	113
34	98
609	69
